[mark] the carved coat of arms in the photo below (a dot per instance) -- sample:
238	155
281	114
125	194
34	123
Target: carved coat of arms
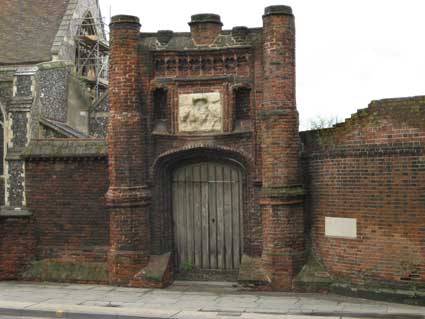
200	112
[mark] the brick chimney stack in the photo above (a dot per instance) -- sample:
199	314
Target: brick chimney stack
128	198
205	28
282	192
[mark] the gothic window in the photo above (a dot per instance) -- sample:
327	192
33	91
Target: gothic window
242	103
88	26
160	104
87	48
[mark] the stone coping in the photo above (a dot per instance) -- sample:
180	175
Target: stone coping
14	212
65	148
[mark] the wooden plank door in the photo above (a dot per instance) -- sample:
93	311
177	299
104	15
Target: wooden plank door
207	212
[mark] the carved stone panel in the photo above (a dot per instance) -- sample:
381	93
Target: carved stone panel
200	112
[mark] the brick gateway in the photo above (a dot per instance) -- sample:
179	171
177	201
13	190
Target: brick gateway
205	172
203	100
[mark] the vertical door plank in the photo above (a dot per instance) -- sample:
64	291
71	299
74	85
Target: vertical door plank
197	215
207	207
241	212
189	215
228	218
212	207
205	217
220	217
235	217
182	212
174	205
177	208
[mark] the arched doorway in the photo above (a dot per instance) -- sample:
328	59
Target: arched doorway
207	206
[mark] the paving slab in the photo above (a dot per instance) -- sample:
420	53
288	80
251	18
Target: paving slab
364	308
195	302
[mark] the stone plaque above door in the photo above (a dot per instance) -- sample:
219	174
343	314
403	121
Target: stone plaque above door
200	112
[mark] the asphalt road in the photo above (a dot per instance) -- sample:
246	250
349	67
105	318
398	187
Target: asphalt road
220	317
20	317
26	317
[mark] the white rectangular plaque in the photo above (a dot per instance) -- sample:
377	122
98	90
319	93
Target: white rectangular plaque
341	227
200	112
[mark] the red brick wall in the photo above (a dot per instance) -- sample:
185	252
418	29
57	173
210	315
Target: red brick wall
17	246
371	168
66	198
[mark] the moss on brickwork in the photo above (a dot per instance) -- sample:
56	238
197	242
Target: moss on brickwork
313	277
411	296
314	271
62	271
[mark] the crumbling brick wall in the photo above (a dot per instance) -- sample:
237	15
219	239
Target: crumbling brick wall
371	168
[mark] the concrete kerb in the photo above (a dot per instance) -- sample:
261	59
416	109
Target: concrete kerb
155	314
86	313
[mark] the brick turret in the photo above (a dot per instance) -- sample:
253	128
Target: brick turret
205	28
282	193
128	197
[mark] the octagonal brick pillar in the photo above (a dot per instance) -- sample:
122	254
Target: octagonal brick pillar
128	197
282	193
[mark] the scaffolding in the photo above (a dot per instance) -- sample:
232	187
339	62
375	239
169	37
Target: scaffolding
92	54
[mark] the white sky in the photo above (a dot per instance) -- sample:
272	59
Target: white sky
349	52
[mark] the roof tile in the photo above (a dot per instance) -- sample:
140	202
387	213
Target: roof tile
28	29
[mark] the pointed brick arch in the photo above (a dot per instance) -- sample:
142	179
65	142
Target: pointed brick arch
161	172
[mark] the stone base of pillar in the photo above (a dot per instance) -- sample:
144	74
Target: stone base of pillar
281	270
129	233
123	265
252	273
157	274
283	236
